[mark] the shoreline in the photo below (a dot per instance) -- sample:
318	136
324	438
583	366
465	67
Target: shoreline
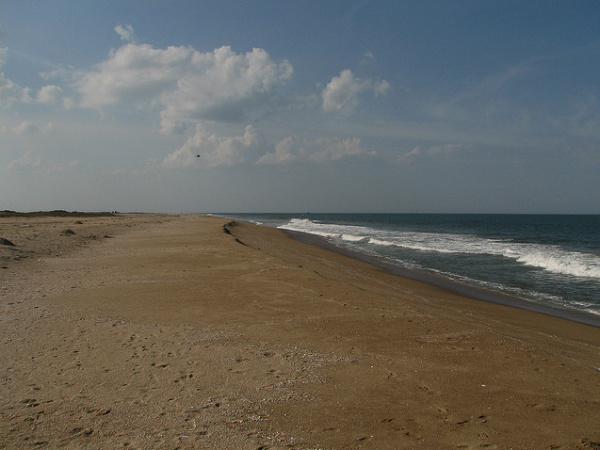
198	333
449	284
512	313
455	286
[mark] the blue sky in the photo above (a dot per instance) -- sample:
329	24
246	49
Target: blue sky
332	106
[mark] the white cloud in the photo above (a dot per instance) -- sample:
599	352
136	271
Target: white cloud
126	32
341	93
26	127
414	153
433	151
225	86
134	74
27	161
10	92
29	128
206	149
286	151
209	150
49	94
63	73
291	150
68	103
367	59
381	88
188	85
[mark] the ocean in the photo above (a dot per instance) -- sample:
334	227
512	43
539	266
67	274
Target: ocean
549	263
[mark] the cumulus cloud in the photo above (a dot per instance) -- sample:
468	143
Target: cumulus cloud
206	149
225	86
291	150
134	74
341	93
187	85
286	151
49	94
10	93
210	150
126	32
381	88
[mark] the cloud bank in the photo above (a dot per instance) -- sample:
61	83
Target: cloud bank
292	149
206	149
210	150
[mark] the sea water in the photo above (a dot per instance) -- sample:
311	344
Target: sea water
546	260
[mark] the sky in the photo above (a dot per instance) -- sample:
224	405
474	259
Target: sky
300	106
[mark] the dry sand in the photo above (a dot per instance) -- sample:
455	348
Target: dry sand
175	334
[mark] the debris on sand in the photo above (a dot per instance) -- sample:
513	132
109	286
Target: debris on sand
4	241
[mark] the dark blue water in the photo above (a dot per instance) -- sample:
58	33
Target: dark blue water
551	260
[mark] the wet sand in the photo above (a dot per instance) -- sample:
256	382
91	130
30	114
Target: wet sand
152	331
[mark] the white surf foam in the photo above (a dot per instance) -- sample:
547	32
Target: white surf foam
549	258
561	261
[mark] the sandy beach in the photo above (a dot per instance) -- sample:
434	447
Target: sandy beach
147	331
